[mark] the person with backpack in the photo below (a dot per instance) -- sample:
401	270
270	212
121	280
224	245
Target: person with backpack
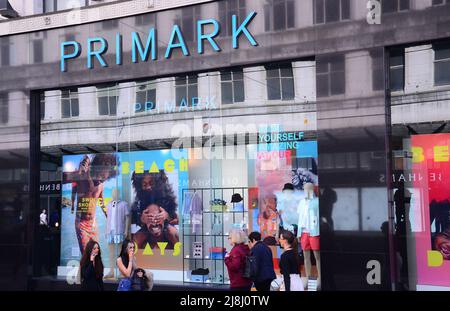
235	261
262	271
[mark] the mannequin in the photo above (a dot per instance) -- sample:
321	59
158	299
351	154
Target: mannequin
287	205
308	230
117	228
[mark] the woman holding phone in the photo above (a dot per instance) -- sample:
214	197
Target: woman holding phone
126	262
91	268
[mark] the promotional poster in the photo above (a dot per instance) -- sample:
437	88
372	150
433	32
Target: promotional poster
142	188
431	163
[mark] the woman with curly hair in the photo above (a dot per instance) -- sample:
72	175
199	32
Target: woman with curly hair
156	184
87	187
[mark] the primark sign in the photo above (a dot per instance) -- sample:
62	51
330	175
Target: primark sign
98	47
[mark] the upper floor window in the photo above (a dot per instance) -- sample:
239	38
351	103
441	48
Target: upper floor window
232	85
280	82
38	47
279	15
330	77
5	51
110	24
108	97
442	63
186	19
145	96
440	2
229	8
377	70
329	11
390	6
186	88
69	103
4	108
146	20
397	69
58	5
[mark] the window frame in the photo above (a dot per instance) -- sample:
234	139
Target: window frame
108	89
234	84
398	7
444	45
394	67
329	74
181	17
324	13
150	85
72	95
281	78
225	13
269	15
186	87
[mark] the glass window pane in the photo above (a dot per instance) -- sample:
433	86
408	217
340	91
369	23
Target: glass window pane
238	75
322	67
151	95
49	6
180	80
337	65
290	14
436	2
287	89
112	105
267	17
442	73
103	106
322	85
38	51
140	97
286	71
239	95
75	107
65	108
396	79
388	6
404	5
332	10
225	75
337	83
319	8
396	58
192	91
279	16
227	93
345	9
442	51
273	89
273	72
181	92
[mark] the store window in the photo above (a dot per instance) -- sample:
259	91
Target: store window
391	6
145	96
186	19
280	82
397	69
329	11
279	15
107	97
232	86
5	49
4	108
186	88
229	8
69	103
330	77
442	63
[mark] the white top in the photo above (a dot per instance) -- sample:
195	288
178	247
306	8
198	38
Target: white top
43	219
117	212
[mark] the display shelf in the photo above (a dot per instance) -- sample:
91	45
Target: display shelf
211	232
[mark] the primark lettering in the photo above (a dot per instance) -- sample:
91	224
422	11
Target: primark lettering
97	47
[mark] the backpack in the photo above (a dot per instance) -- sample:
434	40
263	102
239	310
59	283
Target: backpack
250	268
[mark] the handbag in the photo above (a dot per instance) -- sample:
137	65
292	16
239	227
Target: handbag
250	268
124	285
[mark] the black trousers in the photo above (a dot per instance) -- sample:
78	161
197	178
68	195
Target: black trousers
263	286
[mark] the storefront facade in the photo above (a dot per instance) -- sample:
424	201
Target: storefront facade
224	98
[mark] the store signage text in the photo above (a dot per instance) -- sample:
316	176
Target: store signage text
50	187
139	53
439	154
184	105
